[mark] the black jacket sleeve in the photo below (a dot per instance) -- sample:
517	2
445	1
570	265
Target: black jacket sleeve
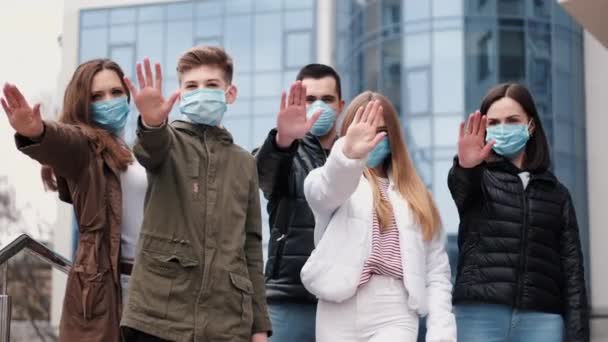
274	165
464	185
576	306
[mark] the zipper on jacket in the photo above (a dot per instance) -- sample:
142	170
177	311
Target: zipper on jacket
278	255
522	253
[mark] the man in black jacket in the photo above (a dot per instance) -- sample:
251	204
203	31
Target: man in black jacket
306	131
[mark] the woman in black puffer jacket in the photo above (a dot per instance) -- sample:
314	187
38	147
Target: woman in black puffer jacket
520	272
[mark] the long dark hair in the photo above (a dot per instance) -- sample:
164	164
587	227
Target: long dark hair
538	157
77	111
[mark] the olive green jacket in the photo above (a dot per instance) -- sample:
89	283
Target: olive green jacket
198	270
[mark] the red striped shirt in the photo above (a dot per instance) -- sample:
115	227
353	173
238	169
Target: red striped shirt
385	258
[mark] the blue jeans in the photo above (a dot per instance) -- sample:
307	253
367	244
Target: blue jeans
501	323
292	322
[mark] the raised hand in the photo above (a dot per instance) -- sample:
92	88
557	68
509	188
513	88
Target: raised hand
151	104
24	119
472	147
292	123
362	134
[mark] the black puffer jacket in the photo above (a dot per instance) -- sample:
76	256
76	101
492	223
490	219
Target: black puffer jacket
519	247
282	174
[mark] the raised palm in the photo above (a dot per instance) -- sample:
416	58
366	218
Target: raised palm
292	122
149	100
362	134
24	119
472	147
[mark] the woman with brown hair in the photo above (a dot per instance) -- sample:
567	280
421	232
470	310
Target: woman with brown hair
86	160
379	262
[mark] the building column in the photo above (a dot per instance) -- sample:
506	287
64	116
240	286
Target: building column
326	32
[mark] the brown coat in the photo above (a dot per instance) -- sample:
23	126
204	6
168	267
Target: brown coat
92	304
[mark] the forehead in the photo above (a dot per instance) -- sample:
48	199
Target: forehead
105	79
320	87
203	73
505	107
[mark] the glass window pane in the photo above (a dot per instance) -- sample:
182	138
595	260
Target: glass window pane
93	43
511	52
418	130
268	42
243	83
268	84
208	42
124	56
122	15
209	27
416	10
261	127
179	39
443	197
512	8
237	43
90	18
298	49
209	8
267	5
447	8
448	72
151	13
297	20
445	130
372	62
564	137
180	10
417	85
240	128
417	49
240	107
424	165
239	6
290	76
298	4
122	34
539	8
150	38
267	106
562	54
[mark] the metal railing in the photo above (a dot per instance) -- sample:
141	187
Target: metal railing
29	245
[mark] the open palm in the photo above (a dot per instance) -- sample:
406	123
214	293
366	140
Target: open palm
149	100
292	122
472	147
362	134
24	119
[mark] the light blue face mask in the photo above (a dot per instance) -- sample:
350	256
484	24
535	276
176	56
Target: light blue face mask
510	138
111	114
379	154
204	106
325	122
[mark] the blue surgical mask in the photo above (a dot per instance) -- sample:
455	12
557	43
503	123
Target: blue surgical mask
510	139
111	114
325	122
204	106
379	154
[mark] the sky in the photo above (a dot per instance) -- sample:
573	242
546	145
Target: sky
30	57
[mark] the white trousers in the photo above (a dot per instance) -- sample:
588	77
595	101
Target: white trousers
378	312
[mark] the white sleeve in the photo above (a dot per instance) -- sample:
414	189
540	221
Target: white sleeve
441	323
328	187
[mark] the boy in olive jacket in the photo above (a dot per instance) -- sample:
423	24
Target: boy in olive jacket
198	271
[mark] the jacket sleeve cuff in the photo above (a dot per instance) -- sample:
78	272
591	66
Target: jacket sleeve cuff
152	137
272	141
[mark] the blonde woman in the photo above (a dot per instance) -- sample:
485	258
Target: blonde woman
379	262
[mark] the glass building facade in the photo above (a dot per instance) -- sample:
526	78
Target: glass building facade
436	60
269	40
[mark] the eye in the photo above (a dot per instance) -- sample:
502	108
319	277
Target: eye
117	92
95	97
191	86
212	85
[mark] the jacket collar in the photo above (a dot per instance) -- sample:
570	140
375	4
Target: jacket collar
218	133
500	163
311	141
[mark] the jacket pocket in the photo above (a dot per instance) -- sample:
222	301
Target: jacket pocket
245	292
87	294
158	280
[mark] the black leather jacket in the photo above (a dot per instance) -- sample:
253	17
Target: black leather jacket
519	247
282	174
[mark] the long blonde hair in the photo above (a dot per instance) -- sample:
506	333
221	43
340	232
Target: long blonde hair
406	179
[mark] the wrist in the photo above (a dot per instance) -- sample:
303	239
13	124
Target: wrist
282	141
37	135
151	123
